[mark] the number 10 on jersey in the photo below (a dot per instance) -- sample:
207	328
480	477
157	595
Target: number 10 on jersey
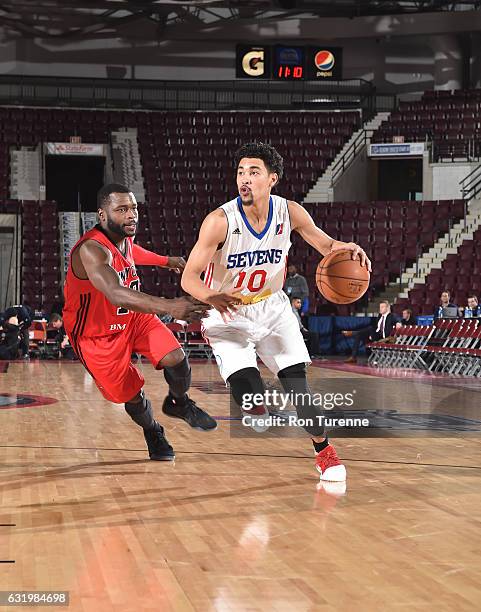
255	282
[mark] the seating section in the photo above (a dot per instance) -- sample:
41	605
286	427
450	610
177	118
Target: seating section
40	254
188	171
10	207
40	259
460	274
393	233
188	157
31	126
451	119
187	162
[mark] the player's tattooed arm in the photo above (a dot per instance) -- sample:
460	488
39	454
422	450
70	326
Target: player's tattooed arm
211	236
96	262
303	224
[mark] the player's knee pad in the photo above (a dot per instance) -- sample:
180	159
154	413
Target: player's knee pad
244	382
296	371
179	378
141	412
294	382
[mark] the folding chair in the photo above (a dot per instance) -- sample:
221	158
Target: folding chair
178	329
37	335
412	352
195	343
407	339
455	358
439	353
473	355
407	349
382	352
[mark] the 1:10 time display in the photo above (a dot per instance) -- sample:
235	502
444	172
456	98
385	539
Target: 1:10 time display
290	72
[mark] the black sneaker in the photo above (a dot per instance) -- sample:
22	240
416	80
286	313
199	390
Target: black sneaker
159	448
190	413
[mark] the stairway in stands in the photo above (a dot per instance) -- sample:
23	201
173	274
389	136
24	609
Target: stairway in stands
127	166
25	173
432	259
322	190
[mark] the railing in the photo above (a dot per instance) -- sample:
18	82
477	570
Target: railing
187	95
346	159
471	184
455	150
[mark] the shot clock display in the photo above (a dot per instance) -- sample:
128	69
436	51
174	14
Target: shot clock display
288	63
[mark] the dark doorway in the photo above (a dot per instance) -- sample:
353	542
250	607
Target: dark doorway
71	178
400	179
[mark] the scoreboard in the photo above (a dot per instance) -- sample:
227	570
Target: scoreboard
289	63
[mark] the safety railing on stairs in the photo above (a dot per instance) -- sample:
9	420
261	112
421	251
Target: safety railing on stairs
471	183
343	162
470	187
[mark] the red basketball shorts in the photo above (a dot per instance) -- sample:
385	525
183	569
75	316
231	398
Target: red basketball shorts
107	358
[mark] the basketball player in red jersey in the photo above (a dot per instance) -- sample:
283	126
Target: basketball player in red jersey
107	318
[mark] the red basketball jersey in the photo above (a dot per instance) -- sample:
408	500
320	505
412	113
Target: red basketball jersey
87	312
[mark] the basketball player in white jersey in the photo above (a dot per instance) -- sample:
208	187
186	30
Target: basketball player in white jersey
242	248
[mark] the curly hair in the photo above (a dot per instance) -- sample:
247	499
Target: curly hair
260	150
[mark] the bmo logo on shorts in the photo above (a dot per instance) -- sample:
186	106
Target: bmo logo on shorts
252	62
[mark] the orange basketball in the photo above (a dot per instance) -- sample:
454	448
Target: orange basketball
341	279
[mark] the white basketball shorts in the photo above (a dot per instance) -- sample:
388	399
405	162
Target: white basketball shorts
268	328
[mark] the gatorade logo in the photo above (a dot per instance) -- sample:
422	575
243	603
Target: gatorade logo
253	63
324	61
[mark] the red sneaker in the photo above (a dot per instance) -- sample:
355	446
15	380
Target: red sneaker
329	466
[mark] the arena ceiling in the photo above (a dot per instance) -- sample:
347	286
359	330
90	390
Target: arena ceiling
89	18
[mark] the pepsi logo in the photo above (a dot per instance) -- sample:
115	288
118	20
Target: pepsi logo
324	60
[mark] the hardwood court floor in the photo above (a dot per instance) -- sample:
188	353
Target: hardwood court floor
237	523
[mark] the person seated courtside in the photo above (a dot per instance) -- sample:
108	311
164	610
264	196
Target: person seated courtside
444	302
406	318
381	329
472	309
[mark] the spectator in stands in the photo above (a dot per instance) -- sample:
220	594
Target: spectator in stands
296	285
9	336
473	309
406	318
58	334
381	329
311	338
444	302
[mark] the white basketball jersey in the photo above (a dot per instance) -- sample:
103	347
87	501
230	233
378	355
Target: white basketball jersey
252	265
